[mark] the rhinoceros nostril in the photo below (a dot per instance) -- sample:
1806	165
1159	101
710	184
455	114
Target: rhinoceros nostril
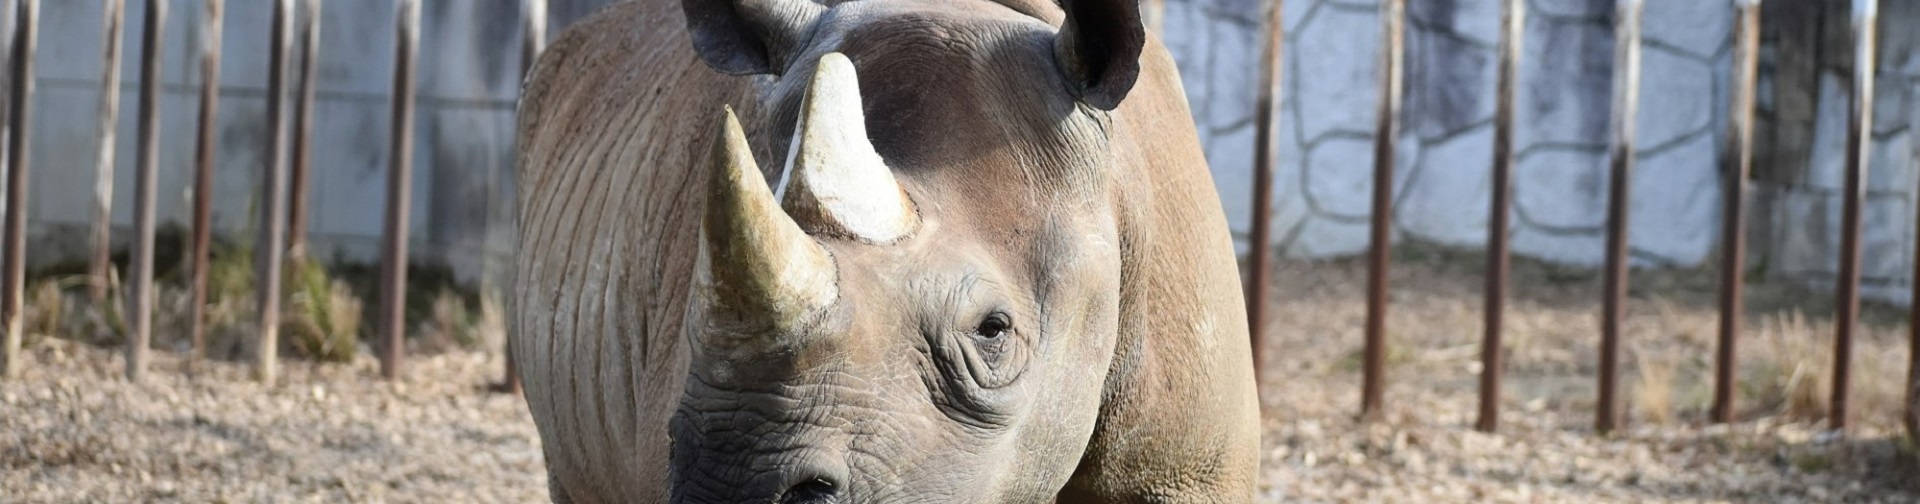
817	490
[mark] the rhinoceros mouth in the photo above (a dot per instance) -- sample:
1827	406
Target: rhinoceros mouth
739	456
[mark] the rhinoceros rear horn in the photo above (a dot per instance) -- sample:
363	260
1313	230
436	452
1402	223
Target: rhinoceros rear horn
837	184
1098	49
743	37
763	275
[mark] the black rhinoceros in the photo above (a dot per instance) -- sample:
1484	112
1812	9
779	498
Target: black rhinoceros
958	251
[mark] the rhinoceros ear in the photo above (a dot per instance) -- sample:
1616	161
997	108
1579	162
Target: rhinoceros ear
743	37
1098	49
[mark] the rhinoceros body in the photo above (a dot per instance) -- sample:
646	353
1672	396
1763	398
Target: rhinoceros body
936	251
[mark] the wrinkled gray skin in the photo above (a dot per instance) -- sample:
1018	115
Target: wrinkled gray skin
1062	324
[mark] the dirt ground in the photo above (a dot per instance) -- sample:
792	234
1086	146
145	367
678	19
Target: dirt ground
1426	450
72	430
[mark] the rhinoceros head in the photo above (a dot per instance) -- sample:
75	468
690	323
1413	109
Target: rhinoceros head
922	304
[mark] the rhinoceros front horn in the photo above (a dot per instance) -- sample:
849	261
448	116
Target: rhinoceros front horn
764	276
837	185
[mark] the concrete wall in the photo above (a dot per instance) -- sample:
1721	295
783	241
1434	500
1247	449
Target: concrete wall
463	202
1445	149
1807	83
463	179
1441	181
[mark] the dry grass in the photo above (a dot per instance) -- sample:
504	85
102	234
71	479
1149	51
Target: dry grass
323	316
320	318
449	325
58	307
1654	388
490	326
230	300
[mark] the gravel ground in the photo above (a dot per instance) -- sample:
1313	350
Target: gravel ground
75	431
1426	451
71	430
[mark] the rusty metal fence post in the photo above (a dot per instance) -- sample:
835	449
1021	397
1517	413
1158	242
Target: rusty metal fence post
1260	241
1913	345
271	244
10	341
203	158
1859	142
20	101
146	188
1379	251
303	132
533	40
1738	159
9	17
1626	97
393	261
1911	415
100	268
9	14
1513	14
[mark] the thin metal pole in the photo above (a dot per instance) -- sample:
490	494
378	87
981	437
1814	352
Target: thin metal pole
533	41
204	154
1151	14
1859	143
1626	97
8	16
1912	416
1913	342
8	25
1913	358
97	271
146	188
393	262
271	246
303	132
1512	21
1733	227
26	20
1387	131
1260	252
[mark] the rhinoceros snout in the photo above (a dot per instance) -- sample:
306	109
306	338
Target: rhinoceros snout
788	485
811	490
782	475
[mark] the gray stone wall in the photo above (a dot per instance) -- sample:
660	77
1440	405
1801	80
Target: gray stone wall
1441	192
1806	87
469	76
1445	150
463	174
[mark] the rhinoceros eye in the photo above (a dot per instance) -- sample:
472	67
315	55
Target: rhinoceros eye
994	326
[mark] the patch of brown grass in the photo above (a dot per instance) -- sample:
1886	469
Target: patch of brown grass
449	324
1653	390
490	327
322	320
